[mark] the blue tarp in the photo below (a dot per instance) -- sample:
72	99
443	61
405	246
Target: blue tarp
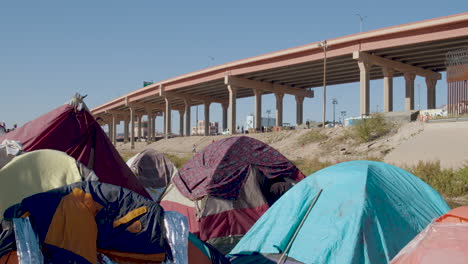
368	211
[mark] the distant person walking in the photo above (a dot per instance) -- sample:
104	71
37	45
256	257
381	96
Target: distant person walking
194	148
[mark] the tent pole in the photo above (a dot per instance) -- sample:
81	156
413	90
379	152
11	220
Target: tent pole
285	253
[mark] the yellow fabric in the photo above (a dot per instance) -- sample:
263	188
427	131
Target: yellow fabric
73	226
130	216
35	172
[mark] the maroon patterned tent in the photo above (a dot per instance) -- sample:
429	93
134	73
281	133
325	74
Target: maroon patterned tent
225	188
78	134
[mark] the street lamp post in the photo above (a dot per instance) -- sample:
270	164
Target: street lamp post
361	20
334	102
343	114
324	45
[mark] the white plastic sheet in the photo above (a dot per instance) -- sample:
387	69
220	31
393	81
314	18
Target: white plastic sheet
27	243
8	150
177	234
103	259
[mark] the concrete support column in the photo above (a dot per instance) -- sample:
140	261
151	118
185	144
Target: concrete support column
431	93
154	118
188	105
299	110
126	130
139	116
279	109
149	126
167	117
409	91
109	128
132	127
388	89
207	117
232	108
181	123
224	106
258	109
364	76
114	129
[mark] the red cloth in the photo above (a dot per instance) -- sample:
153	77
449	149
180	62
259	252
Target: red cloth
77	133
221	168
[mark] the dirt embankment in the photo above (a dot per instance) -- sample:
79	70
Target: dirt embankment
333	146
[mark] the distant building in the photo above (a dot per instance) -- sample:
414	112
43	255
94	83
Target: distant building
265	122
200	128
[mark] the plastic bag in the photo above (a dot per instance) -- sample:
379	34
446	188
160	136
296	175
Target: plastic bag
177	233
29	251
8	150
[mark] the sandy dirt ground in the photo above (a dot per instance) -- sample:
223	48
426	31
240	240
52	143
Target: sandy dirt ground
446	142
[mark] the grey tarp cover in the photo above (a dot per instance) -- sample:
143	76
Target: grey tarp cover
153	170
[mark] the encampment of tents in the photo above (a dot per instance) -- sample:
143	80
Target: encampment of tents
154	171
35	172
444	241
72	129
367	212
226	187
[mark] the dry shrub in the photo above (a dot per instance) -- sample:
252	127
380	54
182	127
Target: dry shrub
178	161
311	136
448	182
369	129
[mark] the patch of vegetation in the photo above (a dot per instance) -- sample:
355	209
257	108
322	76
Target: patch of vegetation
309	166
127	155
311	136
178	161
369	129
448	182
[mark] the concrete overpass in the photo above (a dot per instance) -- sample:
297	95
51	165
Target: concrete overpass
406	50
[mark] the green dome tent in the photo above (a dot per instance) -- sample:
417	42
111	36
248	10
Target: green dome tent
367	212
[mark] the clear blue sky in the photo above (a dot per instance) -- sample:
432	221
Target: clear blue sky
51	49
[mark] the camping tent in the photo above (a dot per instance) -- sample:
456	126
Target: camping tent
226	187
72	129
75	222
366	213
35	172
444	241
153	170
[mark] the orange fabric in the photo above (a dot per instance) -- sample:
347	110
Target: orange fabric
130	216
457	215
136	227
131	258
26	215
195	256
73	226
9	258
441	242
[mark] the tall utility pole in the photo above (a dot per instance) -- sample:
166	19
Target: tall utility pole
361	20
325	47
334	102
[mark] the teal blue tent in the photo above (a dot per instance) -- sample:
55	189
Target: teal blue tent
366	213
